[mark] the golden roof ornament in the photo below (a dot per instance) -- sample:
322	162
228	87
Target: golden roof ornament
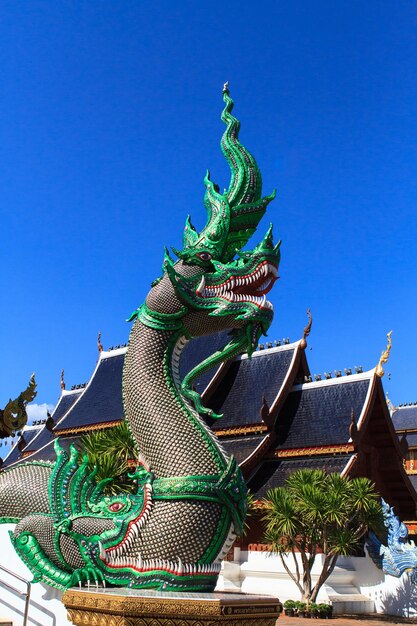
14	415
62	381
307	330
99	344
379	370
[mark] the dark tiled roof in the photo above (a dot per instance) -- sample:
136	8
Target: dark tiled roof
240	393
320	415
48	452
242	447
29	435
413	479
15	454
274	473
65	402
405	418
411	439
101	401
44	436
199	349
41	440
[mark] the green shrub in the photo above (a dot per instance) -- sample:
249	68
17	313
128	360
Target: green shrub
290	604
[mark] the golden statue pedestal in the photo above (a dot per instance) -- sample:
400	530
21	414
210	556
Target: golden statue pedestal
134	607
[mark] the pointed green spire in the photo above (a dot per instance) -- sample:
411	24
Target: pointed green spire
232	217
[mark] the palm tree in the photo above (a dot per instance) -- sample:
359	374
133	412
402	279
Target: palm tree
113	452
316	512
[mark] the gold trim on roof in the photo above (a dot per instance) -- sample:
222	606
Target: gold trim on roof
379	371
316	451
242	430
307	330
83	429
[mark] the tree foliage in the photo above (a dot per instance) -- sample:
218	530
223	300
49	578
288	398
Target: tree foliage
314	513
111	450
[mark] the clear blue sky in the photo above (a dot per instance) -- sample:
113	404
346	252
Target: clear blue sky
110	115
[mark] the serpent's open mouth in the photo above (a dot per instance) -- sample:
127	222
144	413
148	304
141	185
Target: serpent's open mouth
251	287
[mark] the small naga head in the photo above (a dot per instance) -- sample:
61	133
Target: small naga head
214	276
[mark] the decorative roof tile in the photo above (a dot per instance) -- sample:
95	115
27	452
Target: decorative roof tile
47	453
274	473
242	447
240	394
65	402
411	439
320	414
101	401
405	418
199	349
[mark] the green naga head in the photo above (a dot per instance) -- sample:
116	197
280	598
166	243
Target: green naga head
215	284
228	281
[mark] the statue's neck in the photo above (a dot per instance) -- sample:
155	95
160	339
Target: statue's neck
170	435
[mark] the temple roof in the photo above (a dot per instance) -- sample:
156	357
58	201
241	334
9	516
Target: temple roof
411	439
29	433
65	402
199	349
239	395
405	418
101	402
319	413
47	452
274	473
242	447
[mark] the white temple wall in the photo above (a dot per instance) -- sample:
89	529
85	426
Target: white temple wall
355	586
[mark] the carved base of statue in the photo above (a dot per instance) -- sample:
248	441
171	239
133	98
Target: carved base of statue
133	607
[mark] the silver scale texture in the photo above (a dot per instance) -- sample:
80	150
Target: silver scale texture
170	444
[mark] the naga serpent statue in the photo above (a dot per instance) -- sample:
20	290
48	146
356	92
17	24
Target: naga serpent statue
399	555
189	501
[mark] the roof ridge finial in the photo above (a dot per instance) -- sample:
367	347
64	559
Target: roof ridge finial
99	344
61	380
379	370
307	330
353	428
226	86
390	404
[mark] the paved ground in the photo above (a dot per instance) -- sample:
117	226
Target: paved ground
345	620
